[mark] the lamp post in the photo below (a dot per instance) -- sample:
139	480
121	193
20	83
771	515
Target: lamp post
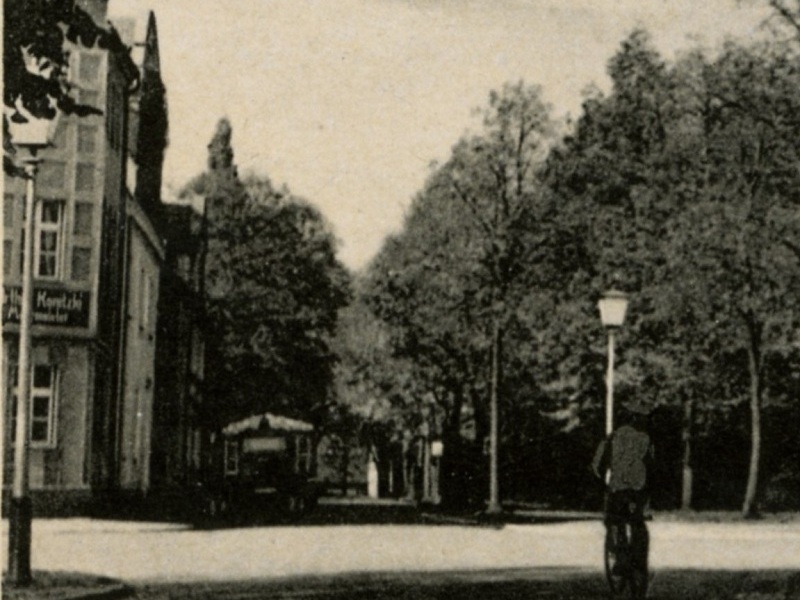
613	306
29	138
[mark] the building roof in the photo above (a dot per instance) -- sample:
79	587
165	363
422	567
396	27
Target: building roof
266	421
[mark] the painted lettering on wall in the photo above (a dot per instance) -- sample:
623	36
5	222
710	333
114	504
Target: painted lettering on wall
62	308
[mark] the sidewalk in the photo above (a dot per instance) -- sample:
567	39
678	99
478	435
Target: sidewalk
68	586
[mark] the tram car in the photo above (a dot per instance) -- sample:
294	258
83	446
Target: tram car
264	468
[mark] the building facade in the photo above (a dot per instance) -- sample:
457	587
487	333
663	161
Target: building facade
98	255
80	193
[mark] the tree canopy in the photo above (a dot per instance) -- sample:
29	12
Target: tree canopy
273	290
679	185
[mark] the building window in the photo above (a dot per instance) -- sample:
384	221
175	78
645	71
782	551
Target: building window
231	457
84	215
42	407
81	260
8	210
52	174
89	98
87	134
8	248
89	67
84	177
48	248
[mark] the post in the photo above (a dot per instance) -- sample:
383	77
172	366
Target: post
494	506
426	470
20	509
610	384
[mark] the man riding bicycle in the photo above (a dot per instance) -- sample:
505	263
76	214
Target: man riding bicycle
624	459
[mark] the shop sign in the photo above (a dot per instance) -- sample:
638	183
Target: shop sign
62	308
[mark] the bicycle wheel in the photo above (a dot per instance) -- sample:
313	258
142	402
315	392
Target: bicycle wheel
640	547
617	581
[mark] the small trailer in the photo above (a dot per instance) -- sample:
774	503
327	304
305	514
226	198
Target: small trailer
264	469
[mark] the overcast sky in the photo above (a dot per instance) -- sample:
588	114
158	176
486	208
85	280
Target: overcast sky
348	101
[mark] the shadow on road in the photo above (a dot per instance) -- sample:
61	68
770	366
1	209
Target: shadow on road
338	512
554	584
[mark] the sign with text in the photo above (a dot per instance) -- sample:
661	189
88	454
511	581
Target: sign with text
62	308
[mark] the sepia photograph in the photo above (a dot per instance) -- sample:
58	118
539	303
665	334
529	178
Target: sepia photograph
401	300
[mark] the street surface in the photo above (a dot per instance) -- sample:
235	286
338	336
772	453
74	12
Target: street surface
159	552
561	560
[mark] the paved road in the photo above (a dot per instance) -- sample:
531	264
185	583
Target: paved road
150	552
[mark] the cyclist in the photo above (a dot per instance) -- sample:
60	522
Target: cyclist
627	456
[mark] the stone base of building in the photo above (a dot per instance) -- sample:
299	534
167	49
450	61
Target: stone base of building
54	503
172	505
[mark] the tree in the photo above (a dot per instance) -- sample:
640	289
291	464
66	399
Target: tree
788	13
737	236
681	179
449	284
273	287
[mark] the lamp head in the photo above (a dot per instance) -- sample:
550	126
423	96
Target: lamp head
32	134
613	306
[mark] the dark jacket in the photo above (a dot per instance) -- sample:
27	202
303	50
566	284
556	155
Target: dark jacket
628	455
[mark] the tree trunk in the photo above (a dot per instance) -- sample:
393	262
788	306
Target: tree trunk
686	490
345	468
494	491
749	508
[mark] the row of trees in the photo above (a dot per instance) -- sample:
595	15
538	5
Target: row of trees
682	186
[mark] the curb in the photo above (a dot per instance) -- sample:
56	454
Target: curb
100	591
113	592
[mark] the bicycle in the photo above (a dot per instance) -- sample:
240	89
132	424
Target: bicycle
626	553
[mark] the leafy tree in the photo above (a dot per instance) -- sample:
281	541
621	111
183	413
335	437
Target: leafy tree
680	180
788	12
449	284
737	236
273	289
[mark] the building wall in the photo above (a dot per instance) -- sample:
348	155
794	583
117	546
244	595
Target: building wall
60	462
144	263
70	190
77	269
179	432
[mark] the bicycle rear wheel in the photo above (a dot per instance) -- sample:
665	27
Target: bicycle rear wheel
640	548
617	581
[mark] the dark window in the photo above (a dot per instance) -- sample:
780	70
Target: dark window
84	213
84	177
87	134
89	67
81	260
8	210
51	174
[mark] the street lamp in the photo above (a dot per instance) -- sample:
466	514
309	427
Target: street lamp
613	306
29	137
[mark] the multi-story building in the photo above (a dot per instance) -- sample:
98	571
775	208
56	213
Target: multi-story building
81	199
98	251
